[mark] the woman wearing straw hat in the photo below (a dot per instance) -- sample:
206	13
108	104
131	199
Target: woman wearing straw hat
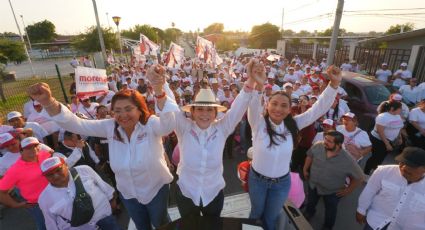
274	136
201	140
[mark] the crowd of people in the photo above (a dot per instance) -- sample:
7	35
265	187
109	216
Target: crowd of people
74	166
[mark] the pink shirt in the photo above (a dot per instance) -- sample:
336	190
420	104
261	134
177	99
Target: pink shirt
27	177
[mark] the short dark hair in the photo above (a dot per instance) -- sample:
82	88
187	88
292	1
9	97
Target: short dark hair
339	137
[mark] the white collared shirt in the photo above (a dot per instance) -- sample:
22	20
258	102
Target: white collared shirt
76	155
200	168
139	165
7	160
56	203
274	161
388	197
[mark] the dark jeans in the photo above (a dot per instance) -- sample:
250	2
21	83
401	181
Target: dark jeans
379	152
367	227
154	213
188	208
108	223
38	217
331	206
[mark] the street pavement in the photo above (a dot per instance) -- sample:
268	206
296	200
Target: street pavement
42	68
18	219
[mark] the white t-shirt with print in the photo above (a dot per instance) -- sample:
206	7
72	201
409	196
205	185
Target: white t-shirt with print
417	115
392	125
360	139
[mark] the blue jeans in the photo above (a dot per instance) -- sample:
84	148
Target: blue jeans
38	217
154	213
108	223
331	206
267	198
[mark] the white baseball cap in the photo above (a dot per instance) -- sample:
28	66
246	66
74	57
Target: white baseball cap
397	97
404	64
6	139
349	114
328	122
51	164
13	114
287	85
29	141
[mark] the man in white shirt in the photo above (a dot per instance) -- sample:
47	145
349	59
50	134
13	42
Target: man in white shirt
383	73
401	75
16	120
394	195
291	76
11	144
410	92
88	108
57	199
346	66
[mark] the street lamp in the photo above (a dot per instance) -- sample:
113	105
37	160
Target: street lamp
117	20
22	38
28	36
107	19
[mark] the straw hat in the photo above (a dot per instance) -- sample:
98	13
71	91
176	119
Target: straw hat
205	97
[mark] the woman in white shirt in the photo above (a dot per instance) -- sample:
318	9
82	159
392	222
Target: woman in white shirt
356	140
386	134
416	130
135	149
274	136
201	140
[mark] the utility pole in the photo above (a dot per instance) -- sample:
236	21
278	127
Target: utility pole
281	26
22	39
25	29
99	30
335	31
107	19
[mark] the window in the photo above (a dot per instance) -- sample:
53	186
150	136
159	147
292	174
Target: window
353	92
376	94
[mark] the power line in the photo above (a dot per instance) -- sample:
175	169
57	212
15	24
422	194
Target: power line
321	16
346	11
392	14
302	6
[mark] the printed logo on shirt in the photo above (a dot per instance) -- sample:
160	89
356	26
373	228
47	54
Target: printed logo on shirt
140	137
193	133
212	136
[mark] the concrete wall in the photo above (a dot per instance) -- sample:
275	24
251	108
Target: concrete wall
406	43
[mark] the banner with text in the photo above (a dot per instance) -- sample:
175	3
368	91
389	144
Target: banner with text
90	82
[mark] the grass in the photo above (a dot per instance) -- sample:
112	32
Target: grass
16	92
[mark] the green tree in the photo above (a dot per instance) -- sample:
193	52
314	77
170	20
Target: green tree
44	31
304	33
12	50
89	41
134	33
328	32
395	29
288	33
264	36
171	34
215	28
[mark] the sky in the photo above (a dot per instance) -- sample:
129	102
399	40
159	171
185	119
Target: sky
75	16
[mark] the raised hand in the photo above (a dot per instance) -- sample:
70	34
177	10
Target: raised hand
256	71
156	77
335	76
40	92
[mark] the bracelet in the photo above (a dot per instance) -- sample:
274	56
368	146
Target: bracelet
160	96
52	103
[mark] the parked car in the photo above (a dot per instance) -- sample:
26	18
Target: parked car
365	93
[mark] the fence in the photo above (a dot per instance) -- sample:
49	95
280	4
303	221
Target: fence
303	50
419	70
371	59
13	94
